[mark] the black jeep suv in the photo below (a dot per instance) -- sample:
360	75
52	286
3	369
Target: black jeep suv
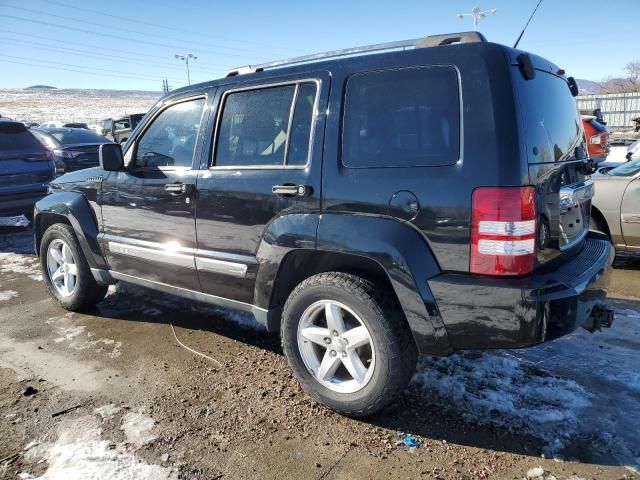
368	207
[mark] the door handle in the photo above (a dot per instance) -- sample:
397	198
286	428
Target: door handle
178	188
290	190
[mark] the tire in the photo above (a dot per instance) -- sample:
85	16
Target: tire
391	353
85	292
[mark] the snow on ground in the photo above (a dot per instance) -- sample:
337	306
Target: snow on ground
67	105
7	295
580	394
78	338
81	451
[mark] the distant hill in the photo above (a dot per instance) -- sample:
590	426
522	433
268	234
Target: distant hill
41	87
587	87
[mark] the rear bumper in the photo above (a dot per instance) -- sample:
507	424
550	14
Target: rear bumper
18	203
484	312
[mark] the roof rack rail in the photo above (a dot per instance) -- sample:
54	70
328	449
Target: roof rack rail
424	42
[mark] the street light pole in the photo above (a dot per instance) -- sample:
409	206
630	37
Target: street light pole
185	58
477	15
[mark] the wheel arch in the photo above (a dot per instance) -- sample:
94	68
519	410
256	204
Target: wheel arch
601	220
391	254
73	209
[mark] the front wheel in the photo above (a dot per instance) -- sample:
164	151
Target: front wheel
349	350
65	270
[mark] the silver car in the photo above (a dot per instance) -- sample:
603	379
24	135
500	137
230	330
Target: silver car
616	206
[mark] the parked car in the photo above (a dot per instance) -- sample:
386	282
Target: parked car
357	205
51	124
597	138
72	148
616	206
636	125
633	150
31	124
121	129
76	125
26	168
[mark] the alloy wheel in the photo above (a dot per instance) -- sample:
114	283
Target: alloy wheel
62	267
336	346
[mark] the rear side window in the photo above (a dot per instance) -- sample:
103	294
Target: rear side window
16	137
266	127
402	118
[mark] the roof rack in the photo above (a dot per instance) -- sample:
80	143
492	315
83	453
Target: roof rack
424	42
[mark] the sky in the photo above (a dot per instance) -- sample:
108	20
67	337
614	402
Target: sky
131	44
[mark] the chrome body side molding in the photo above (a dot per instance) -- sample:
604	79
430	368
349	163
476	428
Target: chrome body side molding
206	260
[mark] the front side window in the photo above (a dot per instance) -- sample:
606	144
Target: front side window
402	118
266	127
170	140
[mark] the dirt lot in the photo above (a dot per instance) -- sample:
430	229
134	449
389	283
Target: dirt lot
142	407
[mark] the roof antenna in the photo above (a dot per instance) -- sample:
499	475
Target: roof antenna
527	24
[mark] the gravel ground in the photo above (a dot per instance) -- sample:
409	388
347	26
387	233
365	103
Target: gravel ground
111	394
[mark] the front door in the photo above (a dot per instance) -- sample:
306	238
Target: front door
266	163
158	199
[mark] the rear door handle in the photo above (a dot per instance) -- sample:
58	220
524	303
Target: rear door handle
290	190
178	188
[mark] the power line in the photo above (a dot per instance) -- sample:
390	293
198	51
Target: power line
101	48
102	56
48	67
146	34
137	21
124	75
118	37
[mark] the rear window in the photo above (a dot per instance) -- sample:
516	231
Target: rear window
550	117
69	137
15	137
402	118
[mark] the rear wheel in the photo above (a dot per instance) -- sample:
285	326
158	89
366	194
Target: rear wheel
349	349
65	270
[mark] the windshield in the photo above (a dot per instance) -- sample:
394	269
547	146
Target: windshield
46	139
628	169
70	136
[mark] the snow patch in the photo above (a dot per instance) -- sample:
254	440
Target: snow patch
494	389
18	221
137	428
81	452
7	295
107	411
19	263
69	333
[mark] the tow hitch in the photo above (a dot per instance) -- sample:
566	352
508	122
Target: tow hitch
601	316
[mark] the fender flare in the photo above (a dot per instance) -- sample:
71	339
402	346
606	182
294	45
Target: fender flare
75	208
398	248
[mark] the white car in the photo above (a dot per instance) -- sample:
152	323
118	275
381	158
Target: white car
53	124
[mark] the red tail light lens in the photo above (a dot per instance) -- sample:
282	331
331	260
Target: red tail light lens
503	230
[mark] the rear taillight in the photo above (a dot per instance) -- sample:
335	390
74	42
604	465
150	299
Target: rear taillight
503	230
596	140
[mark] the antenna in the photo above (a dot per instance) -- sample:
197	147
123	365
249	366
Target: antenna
527	24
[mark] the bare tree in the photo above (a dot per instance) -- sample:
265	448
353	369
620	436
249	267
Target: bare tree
628	84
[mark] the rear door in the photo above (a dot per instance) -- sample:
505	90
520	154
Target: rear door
555	152
25	167
265	163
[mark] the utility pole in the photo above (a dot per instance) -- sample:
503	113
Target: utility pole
477	15
185	58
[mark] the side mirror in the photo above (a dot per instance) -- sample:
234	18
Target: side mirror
111	158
